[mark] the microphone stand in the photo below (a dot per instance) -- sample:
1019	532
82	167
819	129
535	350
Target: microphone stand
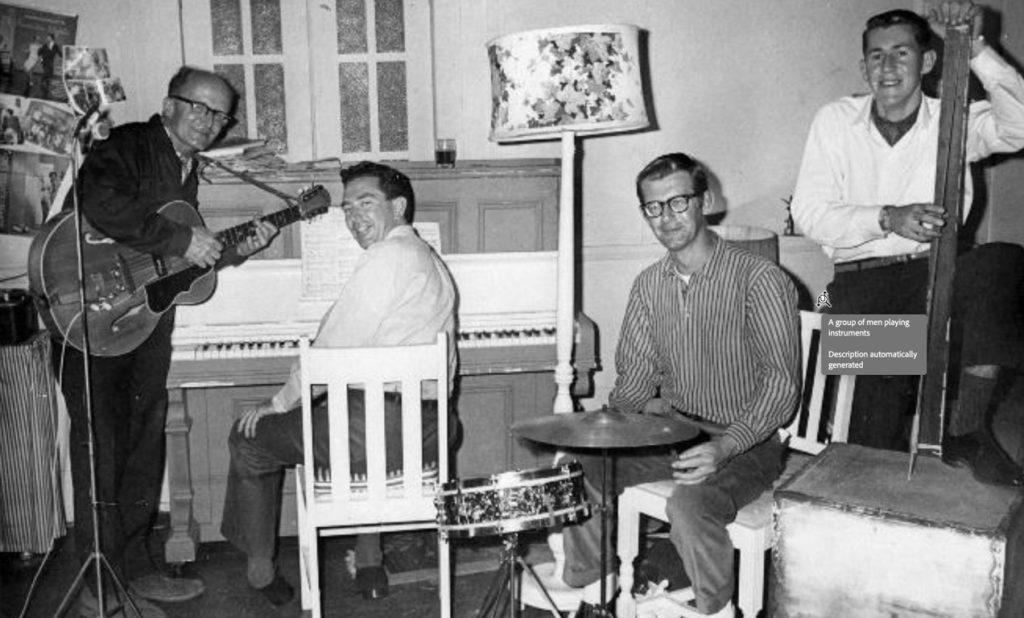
96	556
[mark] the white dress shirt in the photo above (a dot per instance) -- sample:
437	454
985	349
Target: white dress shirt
400	293
849	172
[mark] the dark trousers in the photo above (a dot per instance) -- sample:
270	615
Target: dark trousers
129	396
698	514
252	501
988	329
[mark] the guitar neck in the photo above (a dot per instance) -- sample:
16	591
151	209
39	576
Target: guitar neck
233	236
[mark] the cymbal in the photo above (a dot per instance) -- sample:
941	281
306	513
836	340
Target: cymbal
605	428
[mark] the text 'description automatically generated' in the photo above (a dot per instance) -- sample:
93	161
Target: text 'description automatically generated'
874	344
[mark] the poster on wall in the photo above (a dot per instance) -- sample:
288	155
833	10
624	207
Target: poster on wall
30	187
31	42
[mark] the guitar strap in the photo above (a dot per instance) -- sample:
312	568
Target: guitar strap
247	178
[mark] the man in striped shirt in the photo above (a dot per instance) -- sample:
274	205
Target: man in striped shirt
710	331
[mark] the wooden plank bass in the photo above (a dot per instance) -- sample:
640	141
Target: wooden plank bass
126	291
949	193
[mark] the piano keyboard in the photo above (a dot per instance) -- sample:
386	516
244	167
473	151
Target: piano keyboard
231	348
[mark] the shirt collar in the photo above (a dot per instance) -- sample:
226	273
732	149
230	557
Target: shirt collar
707	271
863	116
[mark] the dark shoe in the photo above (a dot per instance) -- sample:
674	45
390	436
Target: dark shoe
88	606
646	576
590	610
993	466
278	592
372	582
959	451
159	587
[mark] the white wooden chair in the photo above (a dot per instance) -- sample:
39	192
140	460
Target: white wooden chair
751	531
343	505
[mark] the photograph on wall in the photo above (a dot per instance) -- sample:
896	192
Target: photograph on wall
31	49
29	186
87	79
49	126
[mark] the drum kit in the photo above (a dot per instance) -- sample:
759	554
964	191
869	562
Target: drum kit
512	502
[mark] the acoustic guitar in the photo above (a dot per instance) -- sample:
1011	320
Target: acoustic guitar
126	291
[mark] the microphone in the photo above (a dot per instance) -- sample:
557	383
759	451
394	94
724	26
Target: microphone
100	130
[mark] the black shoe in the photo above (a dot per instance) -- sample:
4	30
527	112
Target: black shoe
959	451
646	576
372	582
278	592
993	466
589	610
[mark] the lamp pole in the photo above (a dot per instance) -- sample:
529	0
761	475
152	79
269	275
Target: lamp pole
565	323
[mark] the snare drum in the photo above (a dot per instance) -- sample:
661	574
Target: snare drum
512	501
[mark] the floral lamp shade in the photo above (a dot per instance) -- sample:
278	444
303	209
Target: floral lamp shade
584	79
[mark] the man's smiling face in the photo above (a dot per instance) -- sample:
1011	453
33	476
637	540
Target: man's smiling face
369	214
893	65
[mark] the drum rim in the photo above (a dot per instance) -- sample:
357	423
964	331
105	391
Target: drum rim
506	480
517	524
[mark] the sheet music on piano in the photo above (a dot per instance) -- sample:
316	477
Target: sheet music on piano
330	254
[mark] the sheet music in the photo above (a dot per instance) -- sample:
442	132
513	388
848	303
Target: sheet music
329	253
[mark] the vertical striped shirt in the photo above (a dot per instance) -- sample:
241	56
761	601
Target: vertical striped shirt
723	347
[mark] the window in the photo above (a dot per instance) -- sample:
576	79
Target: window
341	78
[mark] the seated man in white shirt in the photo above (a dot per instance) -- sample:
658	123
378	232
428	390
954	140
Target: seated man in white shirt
865	193
400	293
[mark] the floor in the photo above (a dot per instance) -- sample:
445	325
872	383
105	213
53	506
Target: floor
413	591
222	569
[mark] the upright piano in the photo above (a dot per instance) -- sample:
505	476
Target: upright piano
498	231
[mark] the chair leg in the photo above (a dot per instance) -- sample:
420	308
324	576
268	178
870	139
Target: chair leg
444	575
628	548
751	577
302	518
314	572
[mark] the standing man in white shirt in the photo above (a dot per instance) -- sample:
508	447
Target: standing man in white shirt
865	193
400	293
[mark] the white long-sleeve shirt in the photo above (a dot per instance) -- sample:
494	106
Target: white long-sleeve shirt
400	293
849	172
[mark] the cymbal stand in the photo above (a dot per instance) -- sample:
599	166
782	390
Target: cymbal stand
603	610
96	556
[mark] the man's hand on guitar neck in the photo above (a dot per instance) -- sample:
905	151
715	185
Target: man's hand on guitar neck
263	233
958	13
204	248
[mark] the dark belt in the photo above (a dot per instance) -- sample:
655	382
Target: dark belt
879	262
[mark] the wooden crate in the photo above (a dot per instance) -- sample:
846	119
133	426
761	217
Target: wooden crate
855	538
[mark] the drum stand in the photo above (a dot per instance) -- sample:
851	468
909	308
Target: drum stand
503	592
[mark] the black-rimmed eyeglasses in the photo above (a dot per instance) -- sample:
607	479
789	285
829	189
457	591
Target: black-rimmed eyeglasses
204	111
679	204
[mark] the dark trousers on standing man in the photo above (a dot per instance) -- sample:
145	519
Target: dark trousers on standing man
129	411
988	329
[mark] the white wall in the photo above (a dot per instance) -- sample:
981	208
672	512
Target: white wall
733	82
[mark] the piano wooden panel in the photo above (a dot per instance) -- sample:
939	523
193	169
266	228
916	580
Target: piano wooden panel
504	209
480	206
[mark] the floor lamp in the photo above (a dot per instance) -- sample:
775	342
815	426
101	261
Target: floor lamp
560	83
563	83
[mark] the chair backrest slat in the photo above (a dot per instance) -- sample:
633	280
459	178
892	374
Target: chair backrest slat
813	417
376	372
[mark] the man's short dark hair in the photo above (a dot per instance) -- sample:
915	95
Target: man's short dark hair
899	17
392	182
669	164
